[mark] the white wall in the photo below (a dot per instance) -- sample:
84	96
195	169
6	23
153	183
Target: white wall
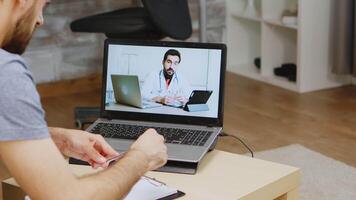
140	61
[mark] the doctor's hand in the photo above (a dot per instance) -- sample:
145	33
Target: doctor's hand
152	145
82	145
166	100
182	100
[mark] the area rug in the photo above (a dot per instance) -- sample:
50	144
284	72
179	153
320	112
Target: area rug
323	178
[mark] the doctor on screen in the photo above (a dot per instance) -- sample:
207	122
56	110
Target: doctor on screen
167	86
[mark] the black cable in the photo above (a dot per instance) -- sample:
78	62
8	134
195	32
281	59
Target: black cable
223	134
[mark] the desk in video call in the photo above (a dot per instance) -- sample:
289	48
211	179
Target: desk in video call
159	110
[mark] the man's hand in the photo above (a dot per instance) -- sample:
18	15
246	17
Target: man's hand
172	101
182	100
152	145
166	100
82	145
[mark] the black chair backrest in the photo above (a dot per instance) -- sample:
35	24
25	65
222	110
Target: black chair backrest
172	17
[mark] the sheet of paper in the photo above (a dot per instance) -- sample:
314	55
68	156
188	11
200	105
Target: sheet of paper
149	189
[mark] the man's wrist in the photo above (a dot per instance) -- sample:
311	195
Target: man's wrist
54	131
57	135
141	156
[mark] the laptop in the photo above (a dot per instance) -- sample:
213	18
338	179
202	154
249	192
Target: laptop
188	135
127	91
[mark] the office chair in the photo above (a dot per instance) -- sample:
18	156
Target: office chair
156	20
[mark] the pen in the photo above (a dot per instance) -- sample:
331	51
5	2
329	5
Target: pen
115	158
153	181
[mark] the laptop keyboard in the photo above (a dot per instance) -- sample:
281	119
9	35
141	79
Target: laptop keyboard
171	135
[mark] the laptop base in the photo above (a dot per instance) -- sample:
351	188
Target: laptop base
213	145
170	167
179	167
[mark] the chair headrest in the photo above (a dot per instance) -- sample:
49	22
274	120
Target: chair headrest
170	16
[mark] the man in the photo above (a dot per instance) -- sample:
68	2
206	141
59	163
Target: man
167	86
32	152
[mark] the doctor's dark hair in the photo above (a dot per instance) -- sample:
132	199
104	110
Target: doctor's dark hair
171	52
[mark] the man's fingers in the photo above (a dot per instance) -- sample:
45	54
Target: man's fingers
94	155
95	165
103	146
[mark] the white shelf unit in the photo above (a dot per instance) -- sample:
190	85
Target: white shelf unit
308	44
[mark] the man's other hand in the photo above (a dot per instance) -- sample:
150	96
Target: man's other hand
82	145
166	100
152	145
182	100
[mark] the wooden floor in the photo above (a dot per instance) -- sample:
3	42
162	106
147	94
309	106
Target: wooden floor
265	116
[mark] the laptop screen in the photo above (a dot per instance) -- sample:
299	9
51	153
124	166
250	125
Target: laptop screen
164	80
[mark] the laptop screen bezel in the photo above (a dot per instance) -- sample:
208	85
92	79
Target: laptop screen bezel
177	119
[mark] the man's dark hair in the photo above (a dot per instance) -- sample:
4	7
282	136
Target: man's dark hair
171	52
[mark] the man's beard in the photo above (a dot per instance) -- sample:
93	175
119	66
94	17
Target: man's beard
20	36
168	75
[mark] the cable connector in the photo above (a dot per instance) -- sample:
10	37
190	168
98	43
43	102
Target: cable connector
223	134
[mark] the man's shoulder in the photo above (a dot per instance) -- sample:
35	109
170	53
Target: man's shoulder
12	65
7	57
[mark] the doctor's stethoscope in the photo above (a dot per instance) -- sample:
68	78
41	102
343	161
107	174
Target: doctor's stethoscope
161	77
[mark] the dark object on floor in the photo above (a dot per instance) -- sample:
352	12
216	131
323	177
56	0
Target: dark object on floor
257	62
155	20
85	116
288	70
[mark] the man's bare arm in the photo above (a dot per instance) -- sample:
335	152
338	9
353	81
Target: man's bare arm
133	163
82	145
40	169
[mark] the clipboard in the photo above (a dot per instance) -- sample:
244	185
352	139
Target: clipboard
150	188
173	196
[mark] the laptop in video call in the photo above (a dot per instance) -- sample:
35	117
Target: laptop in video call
167	73
127	91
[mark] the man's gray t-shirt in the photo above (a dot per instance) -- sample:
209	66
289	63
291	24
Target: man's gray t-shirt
21	113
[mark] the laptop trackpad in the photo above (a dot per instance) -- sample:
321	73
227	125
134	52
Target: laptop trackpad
175	152
184	153
119	145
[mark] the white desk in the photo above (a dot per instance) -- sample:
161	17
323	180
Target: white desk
168	110
221	175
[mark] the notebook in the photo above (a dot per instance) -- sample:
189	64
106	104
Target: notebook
150	189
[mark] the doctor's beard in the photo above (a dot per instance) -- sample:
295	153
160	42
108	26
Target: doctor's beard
168	75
